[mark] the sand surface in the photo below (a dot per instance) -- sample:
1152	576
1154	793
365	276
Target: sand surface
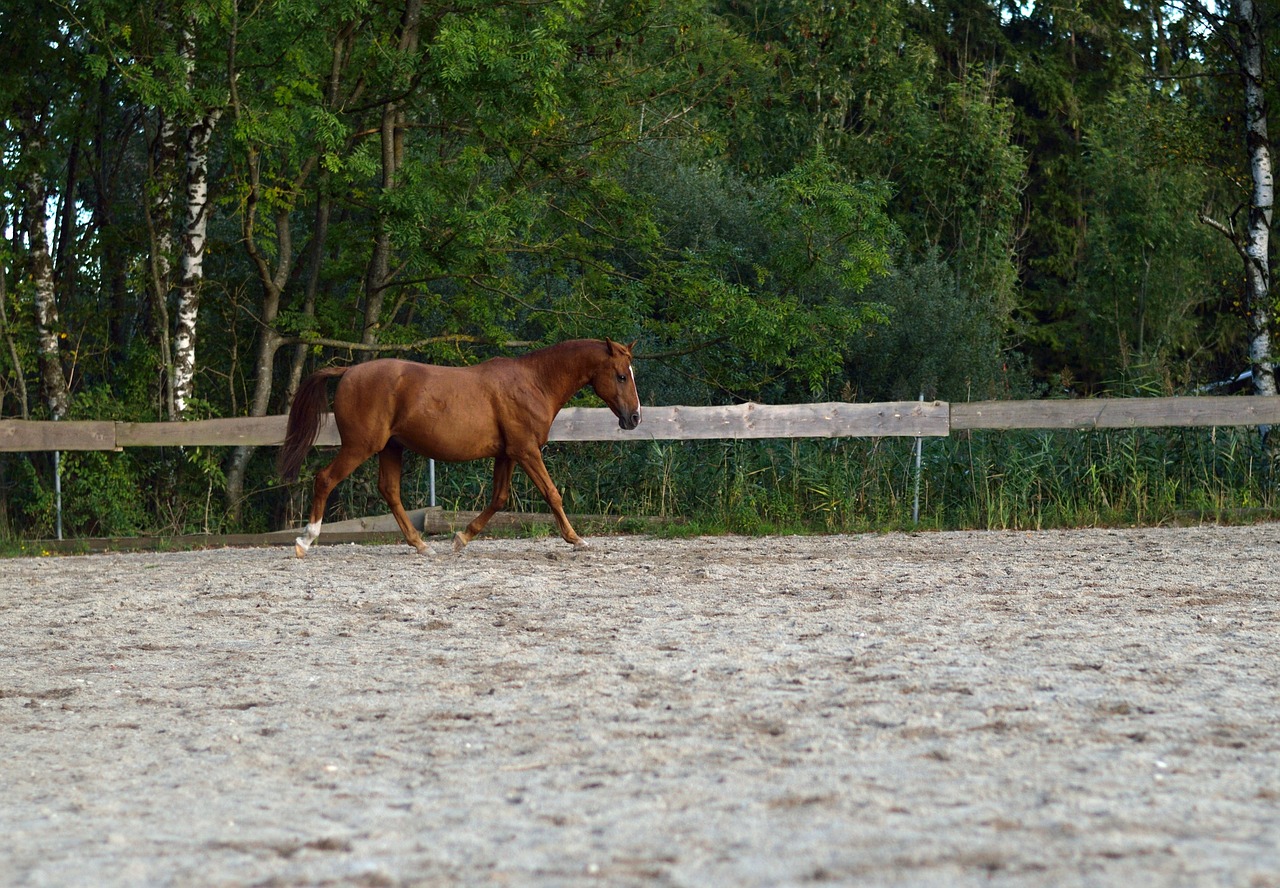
1096	707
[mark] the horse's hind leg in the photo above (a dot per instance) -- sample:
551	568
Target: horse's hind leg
390	465
346	462
502	469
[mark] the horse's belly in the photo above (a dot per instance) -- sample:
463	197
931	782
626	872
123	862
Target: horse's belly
448	437
451	451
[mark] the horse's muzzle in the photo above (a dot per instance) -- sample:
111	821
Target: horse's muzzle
629	421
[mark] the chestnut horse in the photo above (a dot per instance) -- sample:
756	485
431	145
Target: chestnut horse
502	408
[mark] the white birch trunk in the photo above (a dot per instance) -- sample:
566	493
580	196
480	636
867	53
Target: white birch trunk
1257	260
162	201
192	268
52	378
160	214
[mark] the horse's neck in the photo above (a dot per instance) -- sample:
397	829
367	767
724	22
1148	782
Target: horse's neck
563	369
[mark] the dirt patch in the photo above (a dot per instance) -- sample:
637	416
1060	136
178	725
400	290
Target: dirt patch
1066	708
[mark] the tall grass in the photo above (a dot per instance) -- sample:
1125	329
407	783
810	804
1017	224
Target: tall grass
983	479
990	480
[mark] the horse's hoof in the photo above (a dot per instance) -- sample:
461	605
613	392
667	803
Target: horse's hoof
422	548
299	550
580	543
459	542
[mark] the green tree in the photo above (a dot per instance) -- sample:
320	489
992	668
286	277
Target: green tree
1148	294
766	276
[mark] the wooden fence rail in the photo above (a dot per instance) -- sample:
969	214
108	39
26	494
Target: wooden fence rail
1116	413
827	420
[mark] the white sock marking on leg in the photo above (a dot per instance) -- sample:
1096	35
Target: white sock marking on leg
313	531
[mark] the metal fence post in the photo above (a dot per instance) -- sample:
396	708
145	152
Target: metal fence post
915	508
57	488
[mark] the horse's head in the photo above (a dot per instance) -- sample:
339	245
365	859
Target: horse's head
615	383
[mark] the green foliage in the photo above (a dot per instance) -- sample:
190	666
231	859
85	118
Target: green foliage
1151	268
834	76
101	495
769	273
31	498
966	175
940	341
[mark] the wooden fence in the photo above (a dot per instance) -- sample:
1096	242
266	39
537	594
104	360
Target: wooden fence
916	419
828	420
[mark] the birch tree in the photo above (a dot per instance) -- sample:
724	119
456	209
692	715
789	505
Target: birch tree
157	58
39	52
195	229
1258	239
192	267
53	382
1242	31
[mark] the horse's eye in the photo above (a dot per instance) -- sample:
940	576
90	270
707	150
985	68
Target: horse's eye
622	377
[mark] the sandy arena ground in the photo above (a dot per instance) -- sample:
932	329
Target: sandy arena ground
1084	708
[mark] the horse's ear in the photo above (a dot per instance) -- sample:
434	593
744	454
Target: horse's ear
609	345
632	347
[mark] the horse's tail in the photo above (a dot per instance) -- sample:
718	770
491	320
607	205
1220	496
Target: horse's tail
304	421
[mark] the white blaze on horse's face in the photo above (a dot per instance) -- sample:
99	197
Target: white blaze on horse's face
611	383
635	390
628	418
615	394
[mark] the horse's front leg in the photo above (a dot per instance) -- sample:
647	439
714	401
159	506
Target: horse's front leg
536	469
502	469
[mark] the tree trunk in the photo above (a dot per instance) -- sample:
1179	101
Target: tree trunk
1257	245
53	381
106	153
319	239
160	227
324	211
64	256
192	269
269	339
378	274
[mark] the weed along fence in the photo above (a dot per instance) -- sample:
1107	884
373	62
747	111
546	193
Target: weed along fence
909	419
